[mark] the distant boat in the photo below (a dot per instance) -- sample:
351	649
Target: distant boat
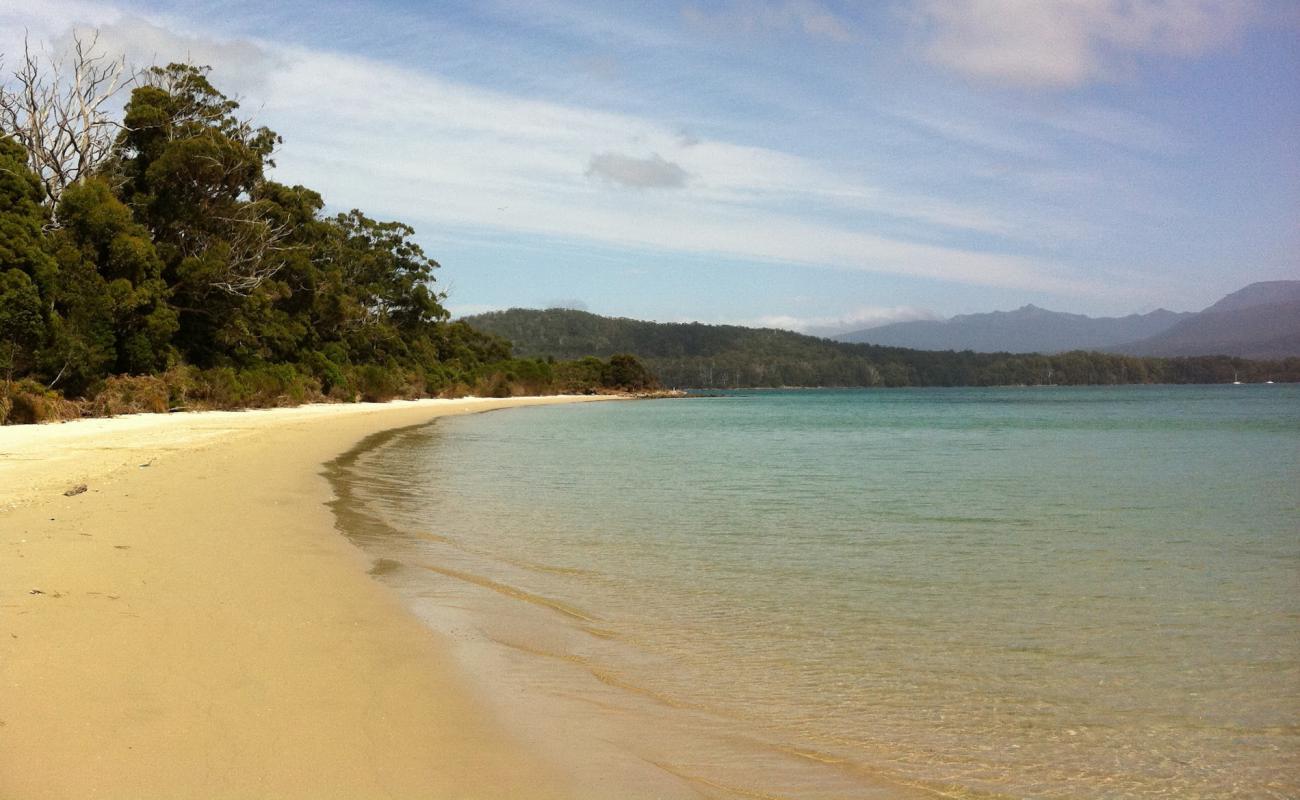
1235	382
1267	381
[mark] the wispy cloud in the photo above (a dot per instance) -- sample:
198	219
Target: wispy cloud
1123	129
975	134
861	318
1067	43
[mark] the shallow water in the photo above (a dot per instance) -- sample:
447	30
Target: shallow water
1047	592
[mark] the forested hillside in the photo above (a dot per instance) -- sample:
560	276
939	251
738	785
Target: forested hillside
151	263
728	356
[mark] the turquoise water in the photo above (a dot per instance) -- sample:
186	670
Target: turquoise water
1048	592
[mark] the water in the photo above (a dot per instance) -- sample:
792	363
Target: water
1050	592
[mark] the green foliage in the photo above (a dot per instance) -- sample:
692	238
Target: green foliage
110	304
187	161
22	217
627	373
378	382
26	267
580	375
20	319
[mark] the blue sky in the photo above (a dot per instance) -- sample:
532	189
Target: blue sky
801	163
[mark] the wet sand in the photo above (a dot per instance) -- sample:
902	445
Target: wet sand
192	624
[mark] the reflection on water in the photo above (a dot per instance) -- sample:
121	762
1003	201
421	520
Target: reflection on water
1026	593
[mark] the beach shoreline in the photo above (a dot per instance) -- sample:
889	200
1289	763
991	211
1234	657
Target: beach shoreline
191	624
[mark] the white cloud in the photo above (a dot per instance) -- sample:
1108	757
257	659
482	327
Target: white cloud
1067	43
45	23
244	65
858	319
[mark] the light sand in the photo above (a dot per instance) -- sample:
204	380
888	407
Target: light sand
197	628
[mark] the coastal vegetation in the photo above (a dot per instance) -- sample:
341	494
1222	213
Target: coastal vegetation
729	356
148	262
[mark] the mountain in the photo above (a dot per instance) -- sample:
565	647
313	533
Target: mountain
1264	293
1028	329
1260	321
729	356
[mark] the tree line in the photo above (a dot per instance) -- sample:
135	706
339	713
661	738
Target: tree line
694	355
148	261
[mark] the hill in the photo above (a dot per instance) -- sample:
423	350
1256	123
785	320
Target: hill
1261	320
729	356
1263	293
1028	329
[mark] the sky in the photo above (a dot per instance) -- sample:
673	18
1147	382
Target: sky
807	164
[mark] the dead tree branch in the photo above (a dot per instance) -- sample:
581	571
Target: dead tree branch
254	244
58	109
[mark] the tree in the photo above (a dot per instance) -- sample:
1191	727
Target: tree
191	171
194	175
376	288
626	372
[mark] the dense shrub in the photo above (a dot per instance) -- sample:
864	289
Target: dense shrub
217	388
273	385
376	383
131	394
26	402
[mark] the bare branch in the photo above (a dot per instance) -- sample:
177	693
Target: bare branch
57	109
254	243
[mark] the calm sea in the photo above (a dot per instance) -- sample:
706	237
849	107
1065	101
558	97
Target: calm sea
1038	592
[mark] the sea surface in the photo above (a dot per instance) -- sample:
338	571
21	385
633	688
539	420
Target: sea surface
1023	592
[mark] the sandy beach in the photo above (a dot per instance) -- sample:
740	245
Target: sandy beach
192	624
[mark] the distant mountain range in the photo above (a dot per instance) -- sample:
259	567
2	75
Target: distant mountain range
1028	329
1260	321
